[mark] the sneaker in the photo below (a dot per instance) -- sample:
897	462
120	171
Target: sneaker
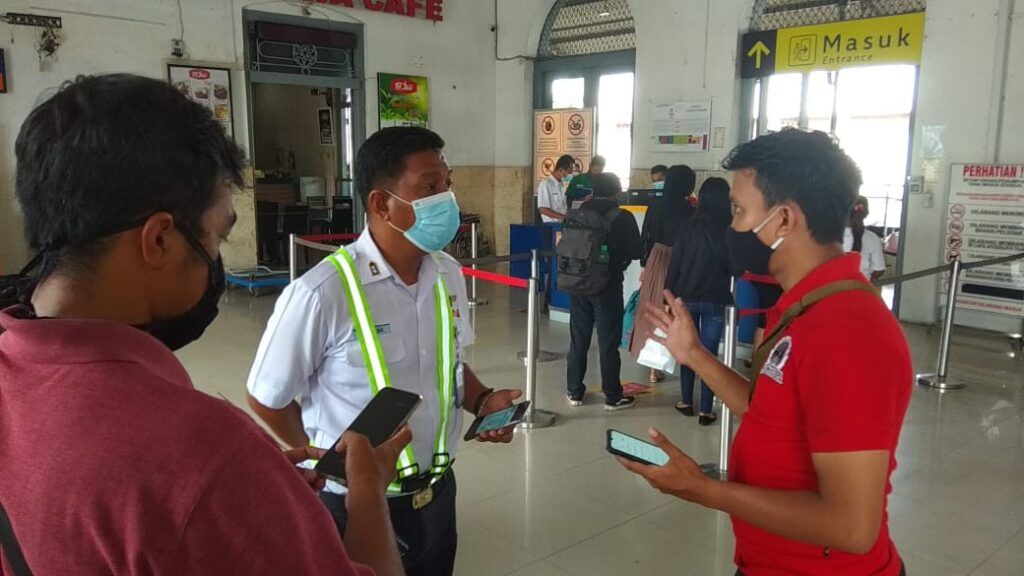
622	404
574	400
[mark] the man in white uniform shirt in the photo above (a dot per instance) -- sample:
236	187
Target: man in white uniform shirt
387	310
551	200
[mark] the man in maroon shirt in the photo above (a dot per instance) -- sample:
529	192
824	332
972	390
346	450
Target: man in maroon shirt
110	461
810	468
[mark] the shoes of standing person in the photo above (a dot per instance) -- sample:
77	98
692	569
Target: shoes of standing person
707	419
622	404
574	400
684	409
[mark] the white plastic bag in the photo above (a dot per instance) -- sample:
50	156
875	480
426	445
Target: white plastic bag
655	355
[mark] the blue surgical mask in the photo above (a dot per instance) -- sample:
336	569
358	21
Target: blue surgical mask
437	221
659	185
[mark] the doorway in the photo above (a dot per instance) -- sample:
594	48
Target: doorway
301	157
873	126
307	116
605	82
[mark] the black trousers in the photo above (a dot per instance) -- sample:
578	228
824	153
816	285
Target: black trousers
427	537
604	311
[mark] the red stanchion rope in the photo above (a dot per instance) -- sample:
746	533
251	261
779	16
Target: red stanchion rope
759	279
496	278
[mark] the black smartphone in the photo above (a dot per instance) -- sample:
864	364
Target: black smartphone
510	416
635	449
386	413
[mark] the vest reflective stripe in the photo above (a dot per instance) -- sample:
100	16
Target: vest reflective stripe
445	371
373	359
376	363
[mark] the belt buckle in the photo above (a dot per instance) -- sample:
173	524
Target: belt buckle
422	498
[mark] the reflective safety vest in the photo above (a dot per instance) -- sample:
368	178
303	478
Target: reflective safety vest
377	366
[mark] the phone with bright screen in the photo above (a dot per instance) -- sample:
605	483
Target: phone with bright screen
635	449
505	418
386	413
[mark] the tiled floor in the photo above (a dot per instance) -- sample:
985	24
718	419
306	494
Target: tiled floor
554	503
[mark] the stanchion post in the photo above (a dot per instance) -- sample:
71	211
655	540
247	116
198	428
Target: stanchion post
293	257
730	334
940	379
473	247
535	418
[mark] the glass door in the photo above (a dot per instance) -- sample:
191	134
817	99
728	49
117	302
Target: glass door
615	123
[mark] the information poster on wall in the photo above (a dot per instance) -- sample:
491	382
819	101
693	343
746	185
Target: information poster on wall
985	219
681	126
209	87
558	132
325	124
403	100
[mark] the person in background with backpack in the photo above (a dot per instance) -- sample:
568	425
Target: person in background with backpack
699	273
665	216
599	240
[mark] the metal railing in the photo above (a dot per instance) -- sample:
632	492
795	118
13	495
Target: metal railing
939	379
731	334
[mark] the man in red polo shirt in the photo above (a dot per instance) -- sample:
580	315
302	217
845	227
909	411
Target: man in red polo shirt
110	461
810	468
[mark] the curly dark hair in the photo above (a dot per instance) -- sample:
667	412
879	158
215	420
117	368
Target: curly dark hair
808	168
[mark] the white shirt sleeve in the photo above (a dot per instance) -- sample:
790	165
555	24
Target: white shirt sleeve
872	251
291	349
544	199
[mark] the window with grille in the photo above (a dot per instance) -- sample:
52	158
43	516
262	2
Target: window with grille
581	27
776	14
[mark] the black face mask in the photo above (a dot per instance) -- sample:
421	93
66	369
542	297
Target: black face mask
747	250
182	330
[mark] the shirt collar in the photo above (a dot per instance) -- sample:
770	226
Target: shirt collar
371	264
373	267
60	341
845	267
552	178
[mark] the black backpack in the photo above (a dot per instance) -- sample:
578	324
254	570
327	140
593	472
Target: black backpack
584	268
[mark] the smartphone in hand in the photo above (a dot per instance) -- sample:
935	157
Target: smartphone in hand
385	415
499	420
635	449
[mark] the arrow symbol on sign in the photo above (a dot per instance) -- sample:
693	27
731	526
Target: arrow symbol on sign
757	52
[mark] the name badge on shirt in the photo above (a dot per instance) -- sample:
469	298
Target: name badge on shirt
777	359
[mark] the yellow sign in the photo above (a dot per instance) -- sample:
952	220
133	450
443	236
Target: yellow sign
891	40
868	42
757	51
